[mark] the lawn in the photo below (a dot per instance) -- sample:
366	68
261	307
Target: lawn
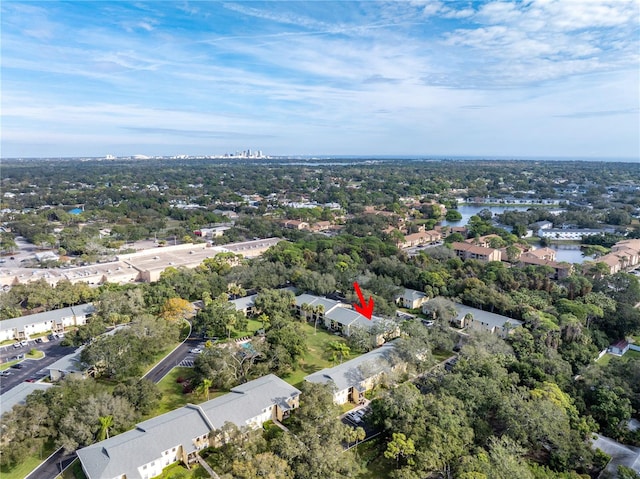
178	471
26	466
316	357
172	396
628	356
252	326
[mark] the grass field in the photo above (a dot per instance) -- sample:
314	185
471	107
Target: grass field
28	465
252	326
178	471
172	396
628	356
316	357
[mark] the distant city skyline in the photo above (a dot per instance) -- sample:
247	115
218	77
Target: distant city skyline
416	78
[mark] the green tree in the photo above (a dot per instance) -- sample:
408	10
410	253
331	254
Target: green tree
106	422
400	447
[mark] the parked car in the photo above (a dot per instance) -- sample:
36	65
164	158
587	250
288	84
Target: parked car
17	345
24	343
39	340
17	366
195	351
5	373
31	380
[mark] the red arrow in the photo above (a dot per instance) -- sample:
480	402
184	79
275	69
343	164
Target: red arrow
366	308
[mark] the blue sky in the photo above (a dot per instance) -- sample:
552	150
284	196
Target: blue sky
495	78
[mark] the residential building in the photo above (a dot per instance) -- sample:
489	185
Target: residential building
411	299
179	435
623	256
474	318
560	270
353	378
541	253
342	318
619	348
483	241
296	225
69	365
419	238
561	234
18	395
56	321
246	305
470	251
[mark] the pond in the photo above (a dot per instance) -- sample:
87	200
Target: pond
571	253
467	211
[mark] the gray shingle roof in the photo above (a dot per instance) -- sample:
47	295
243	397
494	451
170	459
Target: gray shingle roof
312	300
244	303
18	395
123	454
491	319
54	316
353	372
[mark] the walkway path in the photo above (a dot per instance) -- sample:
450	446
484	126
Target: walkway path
207	468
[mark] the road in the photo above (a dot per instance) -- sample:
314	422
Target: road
172	360
52	467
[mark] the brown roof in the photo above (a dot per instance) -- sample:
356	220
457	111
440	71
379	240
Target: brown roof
471	248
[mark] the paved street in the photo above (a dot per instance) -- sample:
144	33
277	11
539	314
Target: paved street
178	356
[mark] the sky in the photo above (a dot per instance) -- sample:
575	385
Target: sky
532	78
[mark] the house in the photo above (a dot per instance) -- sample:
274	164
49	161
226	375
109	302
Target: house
353	378
295	224
470	251
619	348
411	299
448	230
56	321
179	435
474	318
321	226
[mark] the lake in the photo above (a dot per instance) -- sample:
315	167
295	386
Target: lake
467	211
571	253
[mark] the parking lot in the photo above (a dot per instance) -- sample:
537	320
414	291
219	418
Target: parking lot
26	369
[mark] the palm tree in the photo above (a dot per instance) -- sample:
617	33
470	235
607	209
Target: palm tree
306	308
317	311
264	318
235	290
339	350
105	423
204	387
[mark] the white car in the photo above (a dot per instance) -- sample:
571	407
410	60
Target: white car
195	351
